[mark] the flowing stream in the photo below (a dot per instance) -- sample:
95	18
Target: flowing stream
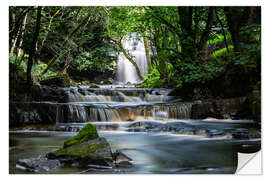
149	126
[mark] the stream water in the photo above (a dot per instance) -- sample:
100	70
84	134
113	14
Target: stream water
152	128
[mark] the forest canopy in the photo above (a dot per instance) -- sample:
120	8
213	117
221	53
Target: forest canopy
191	47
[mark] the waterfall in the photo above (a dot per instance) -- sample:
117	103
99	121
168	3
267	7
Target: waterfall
126	72
109	105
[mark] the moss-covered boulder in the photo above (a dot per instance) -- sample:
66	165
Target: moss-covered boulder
84	148
88	132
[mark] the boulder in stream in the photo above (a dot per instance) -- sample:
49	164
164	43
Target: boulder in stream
84	148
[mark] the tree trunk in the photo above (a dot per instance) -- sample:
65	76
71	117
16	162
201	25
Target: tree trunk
33	48
207	29
14	42
147	53
16	25
223	31
233	17
22	35
185	22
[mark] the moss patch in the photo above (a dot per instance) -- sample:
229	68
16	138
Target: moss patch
61	80
80	151
88	132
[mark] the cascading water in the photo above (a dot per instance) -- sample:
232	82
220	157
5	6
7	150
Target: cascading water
126	72
88	105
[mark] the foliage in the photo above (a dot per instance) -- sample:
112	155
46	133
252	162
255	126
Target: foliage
96	60
220	53
152	80
70	37
189	45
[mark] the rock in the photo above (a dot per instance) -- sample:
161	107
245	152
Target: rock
218	108
246	135
37	164
96	151
215	132
124	164
121	160
84	148
22	114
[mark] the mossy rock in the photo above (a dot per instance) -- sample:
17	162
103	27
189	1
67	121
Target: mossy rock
61	80
88	132
96	151
83	150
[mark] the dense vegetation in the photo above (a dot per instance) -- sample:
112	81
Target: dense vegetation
203	50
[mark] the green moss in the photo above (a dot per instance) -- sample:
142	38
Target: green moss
81	151
58	80
88	132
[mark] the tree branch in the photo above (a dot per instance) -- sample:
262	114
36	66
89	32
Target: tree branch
164	21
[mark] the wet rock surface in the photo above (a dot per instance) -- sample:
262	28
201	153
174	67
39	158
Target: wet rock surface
246	134
84	148
185	128
38	164
96	151
22	114
220	109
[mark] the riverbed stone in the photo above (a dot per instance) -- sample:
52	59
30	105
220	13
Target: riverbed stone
37	164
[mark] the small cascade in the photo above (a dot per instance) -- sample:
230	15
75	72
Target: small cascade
126	72
84	105
73	113
90	105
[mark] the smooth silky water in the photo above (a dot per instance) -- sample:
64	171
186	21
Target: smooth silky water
152	152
